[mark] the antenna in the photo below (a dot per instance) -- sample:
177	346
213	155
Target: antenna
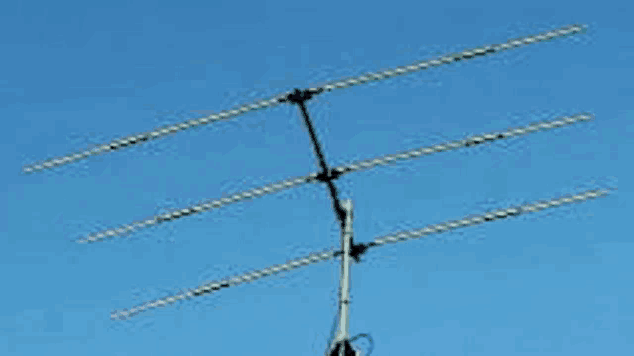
342	343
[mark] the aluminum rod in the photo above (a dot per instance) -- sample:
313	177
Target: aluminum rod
466	54
357	166
470	220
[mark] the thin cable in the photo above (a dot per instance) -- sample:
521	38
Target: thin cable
450	58
333	331
278	99
326	255
370	340
351	167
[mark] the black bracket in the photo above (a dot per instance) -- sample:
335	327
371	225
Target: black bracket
300	96
347	349
357	250
326	177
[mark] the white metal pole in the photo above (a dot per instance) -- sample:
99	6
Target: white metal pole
344	294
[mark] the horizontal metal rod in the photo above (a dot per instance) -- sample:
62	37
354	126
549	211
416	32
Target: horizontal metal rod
467	221
140	138
471	141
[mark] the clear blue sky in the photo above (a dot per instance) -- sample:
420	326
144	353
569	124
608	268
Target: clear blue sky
74	74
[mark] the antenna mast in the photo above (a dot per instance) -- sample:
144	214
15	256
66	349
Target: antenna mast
342	346
343	212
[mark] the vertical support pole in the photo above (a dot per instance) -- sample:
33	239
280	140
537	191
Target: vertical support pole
341	345
344	300
341	340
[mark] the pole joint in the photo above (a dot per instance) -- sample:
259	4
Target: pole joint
299	96
328	176
357	250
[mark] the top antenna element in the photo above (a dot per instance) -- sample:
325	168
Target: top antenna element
277	100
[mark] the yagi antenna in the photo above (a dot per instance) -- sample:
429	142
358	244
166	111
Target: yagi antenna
341	345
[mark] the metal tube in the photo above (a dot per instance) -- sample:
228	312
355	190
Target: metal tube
344	295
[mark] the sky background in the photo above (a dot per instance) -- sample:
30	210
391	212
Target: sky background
75	74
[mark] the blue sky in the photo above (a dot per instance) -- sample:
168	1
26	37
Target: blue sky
76	74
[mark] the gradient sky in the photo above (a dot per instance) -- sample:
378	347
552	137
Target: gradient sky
75	74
